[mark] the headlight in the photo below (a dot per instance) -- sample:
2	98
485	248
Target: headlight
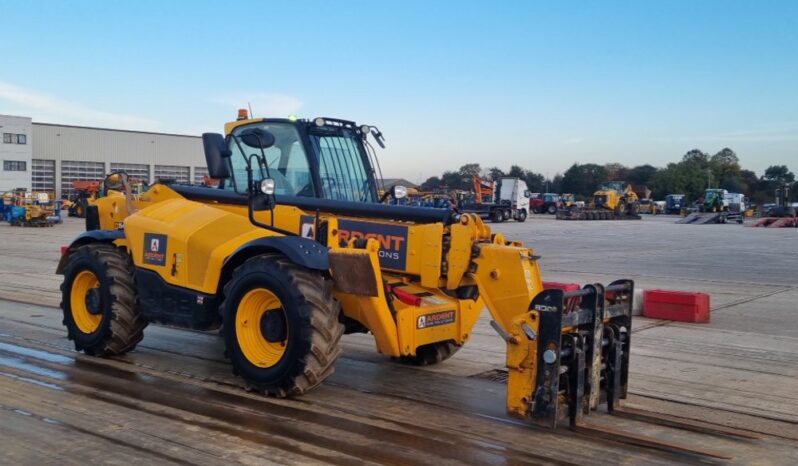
365	129
399	192
267	186
319	122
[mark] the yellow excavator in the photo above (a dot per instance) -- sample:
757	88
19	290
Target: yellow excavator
295	247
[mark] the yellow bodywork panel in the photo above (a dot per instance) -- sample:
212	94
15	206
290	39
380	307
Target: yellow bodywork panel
439	317
459	256
371	311
424	251
522	356
508	278
200	238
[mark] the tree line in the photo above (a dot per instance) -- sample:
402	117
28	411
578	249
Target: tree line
695	172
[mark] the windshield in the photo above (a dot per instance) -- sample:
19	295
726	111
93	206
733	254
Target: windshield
286	159
616	185
345	175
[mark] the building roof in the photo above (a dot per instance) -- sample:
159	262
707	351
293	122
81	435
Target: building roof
389	183
116	130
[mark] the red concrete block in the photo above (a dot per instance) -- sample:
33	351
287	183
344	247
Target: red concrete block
683	306
562	286
571	303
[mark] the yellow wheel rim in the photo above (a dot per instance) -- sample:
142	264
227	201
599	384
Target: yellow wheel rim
81	285
251	309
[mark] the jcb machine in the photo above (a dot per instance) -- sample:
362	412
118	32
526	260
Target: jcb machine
615	200
29	209
86	193
294	248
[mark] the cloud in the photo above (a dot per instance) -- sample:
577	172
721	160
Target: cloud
45	108
263	104
572	141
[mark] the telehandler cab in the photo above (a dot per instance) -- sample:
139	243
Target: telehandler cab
294	248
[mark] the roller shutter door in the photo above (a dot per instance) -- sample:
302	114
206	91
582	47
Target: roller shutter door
73	170
172	172
43	175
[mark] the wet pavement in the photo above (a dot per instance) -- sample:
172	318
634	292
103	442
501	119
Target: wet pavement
175	400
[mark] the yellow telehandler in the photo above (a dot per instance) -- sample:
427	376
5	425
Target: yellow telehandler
294	248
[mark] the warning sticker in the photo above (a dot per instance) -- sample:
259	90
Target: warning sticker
434	319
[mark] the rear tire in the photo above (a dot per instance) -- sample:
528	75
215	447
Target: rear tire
497	216
433	353
552	209
107	321
296	350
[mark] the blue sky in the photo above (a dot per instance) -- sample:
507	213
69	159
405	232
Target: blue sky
538	84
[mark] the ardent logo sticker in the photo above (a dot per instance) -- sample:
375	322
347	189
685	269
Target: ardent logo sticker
154	249
392	238
434	319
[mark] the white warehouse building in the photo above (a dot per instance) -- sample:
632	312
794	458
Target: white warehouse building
49	157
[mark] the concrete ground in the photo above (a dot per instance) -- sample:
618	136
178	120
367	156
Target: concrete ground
173	400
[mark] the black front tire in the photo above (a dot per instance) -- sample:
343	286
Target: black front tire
122	325
521	216
311	320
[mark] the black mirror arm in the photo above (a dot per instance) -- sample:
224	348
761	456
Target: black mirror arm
252	194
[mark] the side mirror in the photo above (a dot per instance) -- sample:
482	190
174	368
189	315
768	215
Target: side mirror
257	137
216	151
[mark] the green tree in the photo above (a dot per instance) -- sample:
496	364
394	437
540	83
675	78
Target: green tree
685	177
555	184
431	183
452	180
616	172
495	173
470	169
517	172
535	181
778	174
697	158
725	166
751	185
641	175
583	180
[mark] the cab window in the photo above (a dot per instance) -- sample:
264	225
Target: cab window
286	159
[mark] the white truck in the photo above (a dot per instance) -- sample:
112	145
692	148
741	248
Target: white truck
514	193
